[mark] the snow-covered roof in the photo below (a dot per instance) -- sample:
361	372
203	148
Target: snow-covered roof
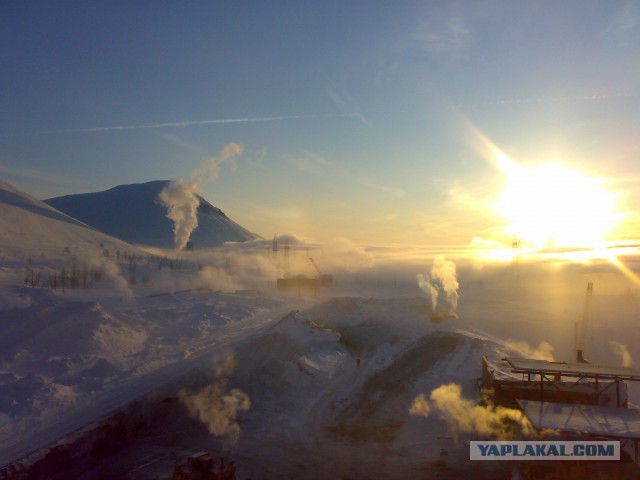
580	370
575	418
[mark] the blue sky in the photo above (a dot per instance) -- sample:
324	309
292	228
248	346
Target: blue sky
356	117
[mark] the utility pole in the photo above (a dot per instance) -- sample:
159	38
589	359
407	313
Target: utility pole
515	256
581	330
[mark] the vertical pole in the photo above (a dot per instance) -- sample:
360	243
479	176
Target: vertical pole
581	334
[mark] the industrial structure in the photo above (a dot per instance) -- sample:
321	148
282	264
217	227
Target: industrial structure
544	381
300	282
574	400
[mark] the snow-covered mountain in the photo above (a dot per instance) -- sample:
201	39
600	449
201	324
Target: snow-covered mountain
134	214
29	228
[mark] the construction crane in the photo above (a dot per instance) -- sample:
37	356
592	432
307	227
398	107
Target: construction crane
302	282
323	278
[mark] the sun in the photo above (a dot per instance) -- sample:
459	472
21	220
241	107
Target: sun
548	204
553	205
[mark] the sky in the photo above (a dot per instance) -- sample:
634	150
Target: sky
409	122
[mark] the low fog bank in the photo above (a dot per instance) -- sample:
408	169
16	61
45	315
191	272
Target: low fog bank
534	303
393	271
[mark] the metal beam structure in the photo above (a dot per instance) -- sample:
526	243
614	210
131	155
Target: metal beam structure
575	370
551	372
602	422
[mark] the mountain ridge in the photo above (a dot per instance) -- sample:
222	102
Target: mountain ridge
31	228
133	213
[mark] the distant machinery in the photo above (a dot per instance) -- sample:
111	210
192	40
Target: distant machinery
299	282
323	278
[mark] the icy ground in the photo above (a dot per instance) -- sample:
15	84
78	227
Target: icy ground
67	358
327	379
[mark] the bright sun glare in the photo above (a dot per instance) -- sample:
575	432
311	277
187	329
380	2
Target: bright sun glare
553	205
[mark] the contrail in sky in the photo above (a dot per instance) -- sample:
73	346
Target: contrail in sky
193	122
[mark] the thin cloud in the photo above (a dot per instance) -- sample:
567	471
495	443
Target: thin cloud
315	164
190	123
347	105
537	101
462	196
309	162
626	18
397	192
438	36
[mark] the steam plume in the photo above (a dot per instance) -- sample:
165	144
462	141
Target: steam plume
181	196
218	279
465	417
442	288
623	352
420	406
209	169
544	350
215	407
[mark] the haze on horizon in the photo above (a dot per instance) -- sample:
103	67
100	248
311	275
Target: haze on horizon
423	123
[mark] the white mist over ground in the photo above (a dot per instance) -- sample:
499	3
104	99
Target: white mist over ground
323	384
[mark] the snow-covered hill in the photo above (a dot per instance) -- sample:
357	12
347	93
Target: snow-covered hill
29	228
349	382
134	214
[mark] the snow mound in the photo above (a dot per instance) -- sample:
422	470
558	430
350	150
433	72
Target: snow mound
75	328
304	331
294	351
322	363
112	337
